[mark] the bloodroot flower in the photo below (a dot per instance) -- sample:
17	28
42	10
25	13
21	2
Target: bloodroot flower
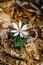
20	30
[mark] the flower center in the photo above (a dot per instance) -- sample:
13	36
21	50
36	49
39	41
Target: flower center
19	29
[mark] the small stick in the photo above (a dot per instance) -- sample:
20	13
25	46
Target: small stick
4	61
30	10
32	5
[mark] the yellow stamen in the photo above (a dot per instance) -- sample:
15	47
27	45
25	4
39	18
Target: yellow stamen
19	29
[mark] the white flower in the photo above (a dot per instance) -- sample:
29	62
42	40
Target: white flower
19	29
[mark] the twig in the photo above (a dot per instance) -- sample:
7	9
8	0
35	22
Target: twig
30	10
15	56
22	3
32	5
4	61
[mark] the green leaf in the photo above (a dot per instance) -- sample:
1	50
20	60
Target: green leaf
24	40
18	41
25	22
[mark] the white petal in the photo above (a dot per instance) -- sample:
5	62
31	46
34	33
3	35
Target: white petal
15	25
24	27
20	24
25	33
21	34
14	31
16	34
